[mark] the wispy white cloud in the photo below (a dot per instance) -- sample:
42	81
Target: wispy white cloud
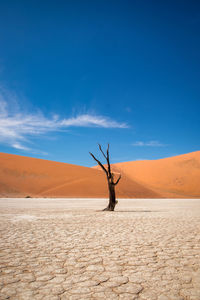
87	120
20	147
148	144
16	128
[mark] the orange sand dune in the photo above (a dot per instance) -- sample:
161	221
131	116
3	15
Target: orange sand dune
24	176
176	177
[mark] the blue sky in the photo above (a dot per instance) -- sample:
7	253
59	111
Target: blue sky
77	73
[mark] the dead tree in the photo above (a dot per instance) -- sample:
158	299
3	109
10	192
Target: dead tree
110	178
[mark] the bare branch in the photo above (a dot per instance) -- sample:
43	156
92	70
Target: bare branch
100	164
108	150
102	151
118	179
108	161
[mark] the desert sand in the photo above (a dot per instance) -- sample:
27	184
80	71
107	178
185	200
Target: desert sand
24	176
69	249
176	177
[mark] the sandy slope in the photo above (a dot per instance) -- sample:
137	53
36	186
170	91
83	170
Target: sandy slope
21	176
171	177
177	176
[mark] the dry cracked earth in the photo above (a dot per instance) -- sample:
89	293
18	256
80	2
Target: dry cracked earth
60	249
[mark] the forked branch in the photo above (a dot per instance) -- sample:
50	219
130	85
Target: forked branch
118	179
106	156
100	164
102	151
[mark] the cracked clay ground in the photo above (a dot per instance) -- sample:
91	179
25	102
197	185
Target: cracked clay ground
69	249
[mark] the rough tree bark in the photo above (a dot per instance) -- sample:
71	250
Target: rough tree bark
110	179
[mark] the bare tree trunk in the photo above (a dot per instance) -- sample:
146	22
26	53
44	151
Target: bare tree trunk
112	199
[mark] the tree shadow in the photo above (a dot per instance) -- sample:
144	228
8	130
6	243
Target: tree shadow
131	211
137	211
